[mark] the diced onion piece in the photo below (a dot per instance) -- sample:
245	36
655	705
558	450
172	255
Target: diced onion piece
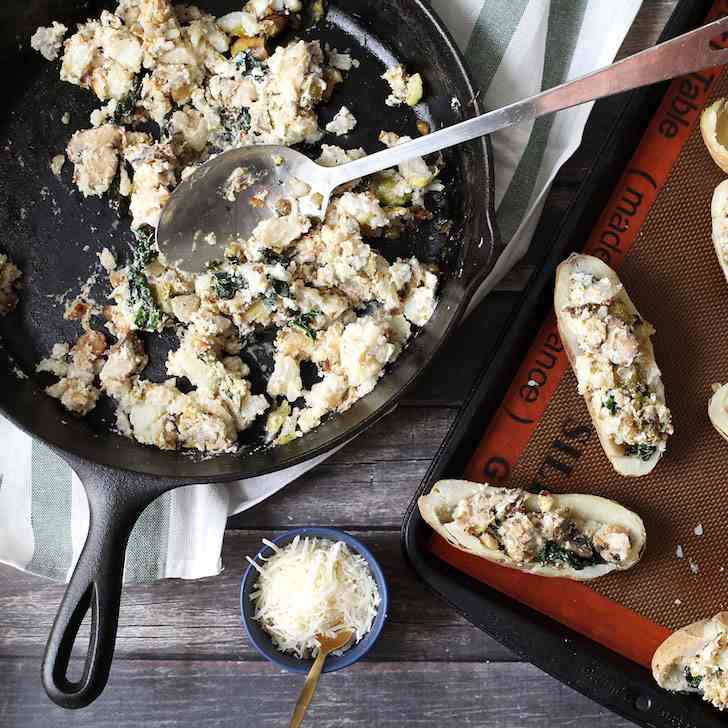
239	23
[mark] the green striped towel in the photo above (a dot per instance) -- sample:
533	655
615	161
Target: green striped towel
514	48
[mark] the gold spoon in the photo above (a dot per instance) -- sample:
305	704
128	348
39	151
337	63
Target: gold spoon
327	646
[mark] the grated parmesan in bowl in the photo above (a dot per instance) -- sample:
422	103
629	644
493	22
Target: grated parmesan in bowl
311	582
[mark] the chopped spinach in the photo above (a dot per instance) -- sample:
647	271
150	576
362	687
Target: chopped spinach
642	451
305	322
244	119
553	552
228	284
281	288
126	105
249	65
147	314
145	248
692	680
270	257
611	405
235	121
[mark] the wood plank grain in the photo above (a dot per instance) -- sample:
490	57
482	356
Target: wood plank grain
369	481
201	619
409	434
256	695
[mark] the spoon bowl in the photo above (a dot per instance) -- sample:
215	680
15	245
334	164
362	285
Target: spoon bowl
227	196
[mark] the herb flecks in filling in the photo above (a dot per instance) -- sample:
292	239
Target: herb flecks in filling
227	284
539	532
692	680
305	323
553	553
643	452
611	368
147	315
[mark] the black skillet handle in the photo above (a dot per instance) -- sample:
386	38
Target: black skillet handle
116	499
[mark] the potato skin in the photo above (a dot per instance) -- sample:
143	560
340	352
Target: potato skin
445	495
624	465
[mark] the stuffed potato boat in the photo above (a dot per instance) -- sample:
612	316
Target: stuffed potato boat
571	536
695	659
608	344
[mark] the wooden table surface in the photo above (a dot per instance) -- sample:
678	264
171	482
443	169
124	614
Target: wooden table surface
181	656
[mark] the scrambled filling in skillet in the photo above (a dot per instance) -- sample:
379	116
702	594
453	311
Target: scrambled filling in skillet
331	303
547	535
9	284
610	367
706	671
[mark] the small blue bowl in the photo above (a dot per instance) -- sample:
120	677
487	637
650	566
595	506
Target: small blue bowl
262	641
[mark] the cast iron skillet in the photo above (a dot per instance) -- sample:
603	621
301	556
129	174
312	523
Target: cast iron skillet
54	236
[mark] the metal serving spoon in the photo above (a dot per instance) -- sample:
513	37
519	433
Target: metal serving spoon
327	645
198	221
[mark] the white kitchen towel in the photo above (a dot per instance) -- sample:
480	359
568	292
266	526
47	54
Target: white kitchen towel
514	48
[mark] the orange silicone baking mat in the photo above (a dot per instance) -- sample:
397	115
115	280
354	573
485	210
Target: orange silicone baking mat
656	231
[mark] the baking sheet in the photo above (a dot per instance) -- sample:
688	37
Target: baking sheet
656	231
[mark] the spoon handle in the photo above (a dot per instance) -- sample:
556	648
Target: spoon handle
687	53
309	688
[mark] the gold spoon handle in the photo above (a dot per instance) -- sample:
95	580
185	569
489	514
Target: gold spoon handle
309	688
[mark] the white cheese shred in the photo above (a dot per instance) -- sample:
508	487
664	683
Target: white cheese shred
313	587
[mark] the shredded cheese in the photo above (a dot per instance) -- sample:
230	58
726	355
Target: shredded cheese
313	587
